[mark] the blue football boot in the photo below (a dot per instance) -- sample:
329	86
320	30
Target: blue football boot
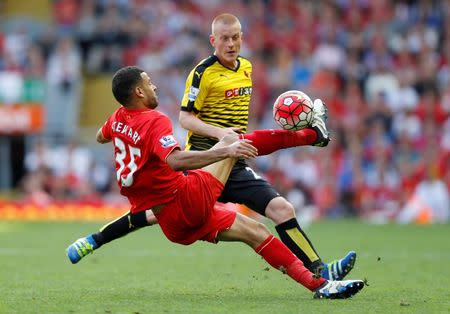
338	269
80	248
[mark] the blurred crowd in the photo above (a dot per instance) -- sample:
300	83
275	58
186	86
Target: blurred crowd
382	67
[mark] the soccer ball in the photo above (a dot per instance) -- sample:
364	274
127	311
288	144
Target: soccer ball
293	110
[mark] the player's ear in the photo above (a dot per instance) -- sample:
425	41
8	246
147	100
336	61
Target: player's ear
138	91
212	40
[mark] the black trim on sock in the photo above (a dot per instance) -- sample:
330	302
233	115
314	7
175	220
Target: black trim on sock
139	220
98	237
294	247
120	227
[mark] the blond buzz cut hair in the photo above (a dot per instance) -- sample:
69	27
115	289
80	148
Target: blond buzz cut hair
225	19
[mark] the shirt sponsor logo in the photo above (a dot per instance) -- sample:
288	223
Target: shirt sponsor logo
167	141
238	91
193	93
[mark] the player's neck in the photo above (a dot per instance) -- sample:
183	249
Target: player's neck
230	65
136	106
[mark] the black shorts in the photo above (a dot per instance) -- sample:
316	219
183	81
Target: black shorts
244	186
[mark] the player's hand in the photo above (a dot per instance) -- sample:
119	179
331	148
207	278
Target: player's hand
233	131
243	149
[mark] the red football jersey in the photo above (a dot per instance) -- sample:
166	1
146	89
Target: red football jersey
142	141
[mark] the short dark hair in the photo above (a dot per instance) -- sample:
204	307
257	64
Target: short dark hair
123	83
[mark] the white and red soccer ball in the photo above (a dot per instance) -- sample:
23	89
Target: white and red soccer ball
293	110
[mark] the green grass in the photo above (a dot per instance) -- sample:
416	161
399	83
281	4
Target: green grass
407	268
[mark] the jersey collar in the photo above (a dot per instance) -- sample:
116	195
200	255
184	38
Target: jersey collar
234	70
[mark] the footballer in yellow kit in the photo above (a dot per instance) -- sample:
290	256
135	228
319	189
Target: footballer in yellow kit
218	96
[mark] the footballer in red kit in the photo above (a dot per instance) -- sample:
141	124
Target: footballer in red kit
142	140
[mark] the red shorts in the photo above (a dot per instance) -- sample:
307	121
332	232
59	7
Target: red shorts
193	215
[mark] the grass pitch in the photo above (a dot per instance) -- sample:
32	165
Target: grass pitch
407	268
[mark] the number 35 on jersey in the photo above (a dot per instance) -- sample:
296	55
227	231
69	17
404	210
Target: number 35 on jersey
126	156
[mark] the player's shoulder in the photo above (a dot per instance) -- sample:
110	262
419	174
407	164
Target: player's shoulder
154	121
207	62
244	62
200	70
157	115
117	113
203	65
144	116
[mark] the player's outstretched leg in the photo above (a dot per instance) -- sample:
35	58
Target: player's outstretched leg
280	257
338	269
339	289
116	229
80	248
269	141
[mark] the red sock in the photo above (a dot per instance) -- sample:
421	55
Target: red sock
268	141
280	257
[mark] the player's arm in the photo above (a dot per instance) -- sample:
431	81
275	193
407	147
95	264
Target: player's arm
101	138
162	142
195	92
189	121
185	160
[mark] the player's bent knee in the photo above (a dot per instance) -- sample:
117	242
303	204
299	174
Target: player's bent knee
245	229
280	210
261	232
255	232
150	217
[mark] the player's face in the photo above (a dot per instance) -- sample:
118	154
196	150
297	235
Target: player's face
227	40
149	91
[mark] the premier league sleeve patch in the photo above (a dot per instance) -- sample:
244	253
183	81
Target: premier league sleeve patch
193	93
167	141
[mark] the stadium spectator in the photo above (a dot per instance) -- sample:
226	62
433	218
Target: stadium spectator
63	171
63	91
430	202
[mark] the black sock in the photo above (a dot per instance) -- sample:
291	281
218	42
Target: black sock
120	227
296	240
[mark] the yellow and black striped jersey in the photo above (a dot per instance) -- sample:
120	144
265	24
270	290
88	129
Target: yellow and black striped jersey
218	96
